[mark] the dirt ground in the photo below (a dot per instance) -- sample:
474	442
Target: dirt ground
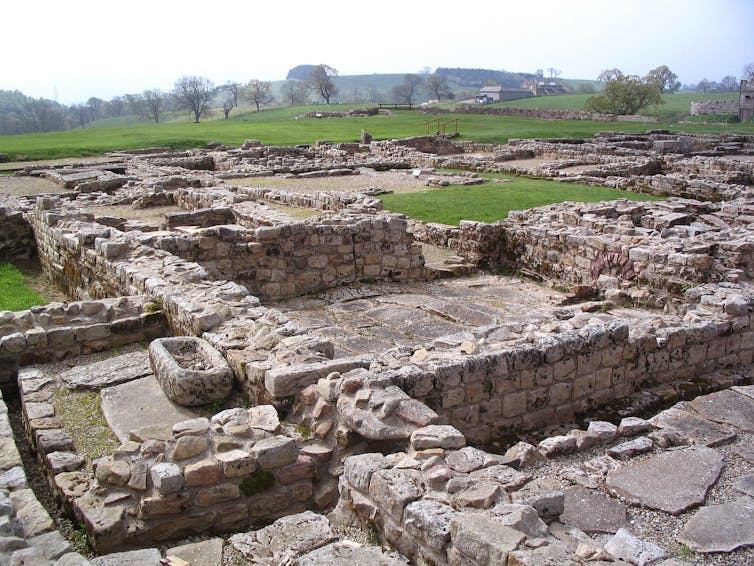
396	181
26	186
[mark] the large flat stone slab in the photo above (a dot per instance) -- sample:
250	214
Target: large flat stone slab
139	404
144	557
697	429
592	512
209	552
109	372
348	553
721	528
728	407
672	481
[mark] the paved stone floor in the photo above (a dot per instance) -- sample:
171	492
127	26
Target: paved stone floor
374	318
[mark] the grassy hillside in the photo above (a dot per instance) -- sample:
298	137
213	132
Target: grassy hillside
280	126
674	107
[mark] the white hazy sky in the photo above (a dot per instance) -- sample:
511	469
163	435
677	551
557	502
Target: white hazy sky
80	48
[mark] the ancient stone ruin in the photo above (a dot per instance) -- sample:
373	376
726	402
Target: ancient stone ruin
314	372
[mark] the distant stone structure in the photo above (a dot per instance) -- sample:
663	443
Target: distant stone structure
712	107
743	107
746	101
499	93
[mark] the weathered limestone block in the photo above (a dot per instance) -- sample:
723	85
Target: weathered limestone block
190	370
275	452
479	536
437	436
393	489
358	470
166	478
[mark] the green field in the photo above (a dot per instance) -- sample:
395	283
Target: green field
14	295
279	126
492	201
675	106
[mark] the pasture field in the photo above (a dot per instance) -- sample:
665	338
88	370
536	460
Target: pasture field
280	126
674	107
492	201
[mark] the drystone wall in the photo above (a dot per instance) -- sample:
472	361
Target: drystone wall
530	386
298	258
714	107
664	247
240	468
543	114
60	330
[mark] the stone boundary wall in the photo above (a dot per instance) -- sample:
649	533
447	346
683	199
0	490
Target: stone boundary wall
541	113
52	332
527	387
294	259
714	107
16	236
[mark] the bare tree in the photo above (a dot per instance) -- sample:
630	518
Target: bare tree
608	75
153	101
258	92
705	85
117	106
665	79
406	91
234	89
553	72
82	114
228	105
95	105
294	92
194	94
321	81
728	83
134	103
437	86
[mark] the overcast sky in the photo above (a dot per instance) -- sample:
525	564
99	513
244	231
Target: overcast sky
80	48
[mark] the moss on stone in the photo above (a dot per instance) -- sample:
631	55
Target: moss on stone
259	481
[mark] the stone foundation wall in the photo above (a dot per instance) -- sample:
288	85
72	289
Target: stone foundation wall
238	469
16	236
549	381
295	259
59	330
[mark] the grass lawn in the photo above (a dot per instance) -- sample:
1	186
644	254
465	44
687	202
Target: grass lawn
14	294
280	126
492	201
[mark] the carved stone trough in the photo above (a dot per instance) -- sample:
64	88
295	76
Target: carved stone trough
190	371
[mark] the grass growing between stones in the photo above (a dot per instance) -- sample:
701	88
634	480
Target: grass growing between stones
494	200
82	417
14	294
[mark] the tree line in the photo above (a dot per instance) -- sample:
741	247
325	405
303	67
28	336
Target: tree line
627	94
622	94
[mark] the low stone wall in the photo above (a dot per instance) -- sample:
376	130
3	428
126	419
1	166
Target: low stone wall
16	236
52	332
542	113
551	381
238	469
294	259
714	107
